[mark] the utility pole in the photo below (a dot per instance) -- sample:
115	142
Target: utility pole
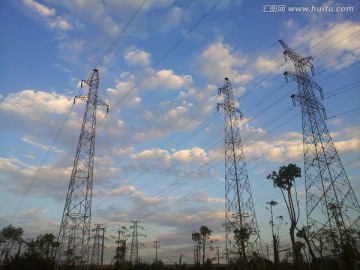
331	203
156	246
74	234
134	252
239	205
102	245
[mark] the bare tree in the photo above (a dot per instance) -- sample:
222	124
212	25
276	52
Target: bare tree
274	235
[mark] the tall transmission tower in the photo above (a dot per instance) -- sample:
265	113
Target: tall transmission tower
239	205
74	234
134	252
331	203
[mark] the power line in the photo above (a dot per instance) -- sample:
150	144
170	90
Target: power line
121	34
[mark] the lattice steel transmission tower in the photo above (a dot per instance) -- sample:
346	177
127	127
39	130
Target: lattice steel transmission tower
239	205
121	246
331	203
97	253
74	234
134	252
96	249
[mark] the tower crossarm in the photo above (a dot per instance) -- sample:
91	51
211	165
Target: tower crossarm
306	93
299	62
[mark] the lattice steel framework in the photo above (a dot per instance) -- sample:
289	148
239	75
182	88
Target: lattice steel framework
239	205
134	252
121	246
96	249
74	234
330	200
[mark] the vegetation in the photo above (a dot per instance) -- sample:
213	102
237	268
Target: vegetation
9	237
39	253
284	179
275	234
202	243
180	265
333	249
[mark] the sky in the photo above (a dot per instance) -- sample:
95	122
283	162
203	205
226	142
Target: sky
159	154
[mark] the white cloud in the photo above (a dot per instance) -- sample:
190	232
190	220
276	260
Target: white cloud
286	147
336	47
219	61
166	79
48	15
190	155
170	19
39	8
265	64
137	57
35	105
61	23
31	141
351	145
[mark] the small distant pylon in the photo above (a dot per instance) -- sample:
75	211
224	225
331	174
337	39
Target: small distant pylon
331	204
97	254
134	252
239	205
121	246
74	234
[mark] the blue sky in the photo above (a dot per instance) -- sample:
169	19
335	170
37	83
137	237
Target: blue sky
159	152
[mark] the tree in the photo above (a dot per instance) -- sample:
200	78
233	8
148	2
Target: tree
242	237
46	245
121	247
284	179
274	235
201	243
205	233
348	250
196	237
180	265
304	234
9	236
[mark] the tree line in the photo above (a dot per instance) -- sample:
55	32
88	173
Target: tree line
327	249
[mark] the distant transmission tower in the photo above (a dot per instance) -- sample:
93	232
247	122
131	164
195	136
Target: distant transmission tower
330	200
97	253
134	252
121	246
239	205
96	249
74	235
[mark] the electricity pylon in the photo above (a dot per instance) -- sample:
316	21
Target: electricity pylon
97	253
74	234
331	203
239	206
121	246
134	252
